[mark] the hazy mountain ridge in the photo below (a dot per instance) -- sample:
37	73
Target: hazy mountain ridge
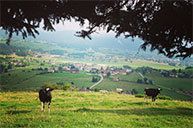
100	42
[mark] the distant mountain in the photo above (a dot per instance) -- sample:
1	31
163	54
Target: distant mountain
100	42
61	41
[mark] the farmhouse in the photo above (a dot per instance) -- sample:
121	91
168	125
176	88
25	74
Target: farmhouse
86	70
104	74
75	70
52	63
128	70
115	72
51	70
83	90
116	79
65	68
122	72
94	70
103	91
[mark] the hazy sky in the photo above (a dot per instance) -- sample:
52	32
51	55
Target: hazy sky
73	26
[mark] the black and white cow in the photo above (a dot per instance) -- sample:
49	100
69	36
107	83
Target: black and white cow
151	93
45	97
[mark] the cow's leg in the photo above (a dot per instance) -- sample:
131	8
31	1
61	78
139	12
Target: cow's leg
145	98
49	107
153	100
42	106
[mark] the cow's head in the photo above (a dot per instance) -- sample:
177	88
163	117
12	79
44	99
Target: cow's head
49	89
159	89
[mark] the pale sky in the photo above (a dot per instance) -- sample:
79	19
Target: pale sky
73	26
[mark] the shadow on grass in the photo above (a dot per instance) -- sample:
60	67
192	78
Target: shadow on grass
138	103
180	111
18	111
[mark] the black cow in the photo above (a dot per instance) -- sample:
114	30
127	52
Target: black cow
151	92
45	97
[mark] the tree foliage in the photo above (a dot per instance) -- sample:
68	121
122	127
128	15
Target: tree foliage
163	25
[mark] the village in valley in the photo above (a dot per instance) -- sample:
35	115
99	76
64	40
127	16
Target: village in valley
48	64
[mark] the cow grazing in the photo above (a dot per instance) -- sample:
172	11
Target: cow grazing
119	90
45	97
103	91
151	93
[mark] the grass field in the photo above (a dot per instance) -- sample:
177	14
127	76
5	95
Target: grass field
92	110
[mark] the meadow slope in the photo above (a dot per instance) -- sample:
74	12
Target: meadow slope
92	110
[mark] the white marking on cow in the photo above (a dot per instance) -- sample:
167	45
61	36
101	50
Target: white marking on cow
42	106
49	107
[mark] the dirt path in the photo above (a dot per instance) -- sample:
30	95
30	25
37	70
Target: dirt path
97	82
140	74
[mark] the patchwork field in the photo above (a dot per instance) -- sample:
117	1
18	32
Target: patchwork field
92	110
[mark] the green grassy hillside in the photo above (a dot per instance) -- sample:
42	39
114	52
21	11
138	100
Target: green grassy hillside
129	82
175	83
18	80
92	110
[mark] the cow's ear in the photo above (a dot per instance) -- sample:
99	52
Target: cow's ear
51	89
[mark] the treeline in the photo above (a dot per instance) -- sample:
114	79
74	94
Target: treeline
145	70
10	49
144	81
57	52
59	86
95	79
166	73
5	65
20	50
176	73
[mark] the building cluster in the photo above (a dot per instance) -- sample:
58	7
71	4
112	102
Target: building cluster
90	68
